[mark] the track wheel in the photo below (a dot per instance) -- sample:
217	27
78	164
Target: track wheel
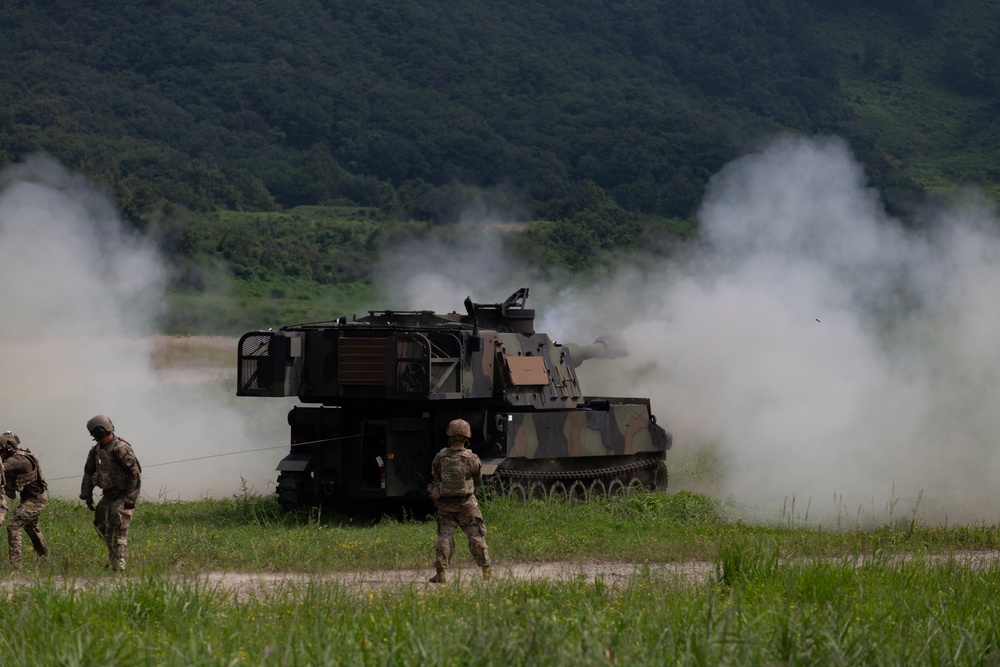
557	492
517	493
635	485
538	491
577	492
660	477
290	489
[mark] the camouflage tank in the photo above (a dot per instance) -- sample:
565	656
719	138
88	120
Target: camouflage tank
379	390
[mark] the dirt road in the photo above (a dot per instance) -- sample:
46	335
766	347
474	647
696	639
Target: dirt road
613	574
246	584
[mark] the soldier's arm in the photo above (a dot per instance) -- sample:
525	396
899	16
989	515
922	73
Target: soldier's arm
17	465
14	466
131	465
87	486
436	469
477	469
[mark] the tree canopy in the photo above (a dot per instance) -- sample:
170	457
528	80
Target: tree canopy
415	107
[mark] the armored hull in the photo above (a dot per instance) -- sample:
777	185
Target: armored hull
377	393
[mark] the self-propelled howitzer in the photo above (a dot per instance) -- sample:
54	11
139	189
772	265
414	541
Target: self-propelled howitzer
379	390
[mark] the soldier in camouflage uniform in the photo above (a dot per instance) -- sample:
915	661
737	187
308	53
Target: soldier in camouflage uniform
3	496
454	473
22	474
111	465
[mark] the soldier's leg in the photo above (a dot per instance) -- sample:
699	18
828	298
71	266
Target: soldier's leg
121	538
33	512
105	522
37	540
119	522
445	540
14	539
475	530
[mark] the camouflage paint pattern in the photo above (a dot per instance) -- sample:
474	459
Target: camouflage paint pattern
114	468
460	513
531	369
623	430
382	388
112	522
25	518
3	496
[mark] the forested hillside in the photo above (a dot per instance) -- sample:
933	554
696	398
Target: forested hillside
424	108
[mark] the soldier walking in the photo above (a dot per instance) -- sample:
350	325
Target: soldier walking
454	473
22	474
111	465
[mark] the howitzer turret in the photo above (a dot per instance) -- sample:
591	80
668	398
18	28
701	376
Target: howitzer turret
379	391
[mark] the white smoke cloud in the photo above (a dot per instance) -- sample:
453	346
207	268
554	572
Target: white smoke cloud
78	305
825	353
820	349
471	261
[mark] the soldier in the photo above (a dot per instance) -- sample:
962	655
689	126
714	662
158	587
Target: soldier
23	474
454	473
111	465
3	496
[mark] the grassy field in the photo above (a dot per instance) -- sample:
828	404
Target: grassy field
775	594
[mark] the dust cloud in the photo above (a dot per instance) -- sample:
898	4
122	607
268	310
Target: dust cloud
79	303
816	359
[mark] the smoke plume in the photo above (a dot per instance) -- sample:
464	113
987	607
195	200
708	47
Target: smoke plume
815	358
79	302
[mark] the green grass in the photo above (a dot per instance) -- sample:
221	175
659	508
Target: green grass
817	612
773	593
251	533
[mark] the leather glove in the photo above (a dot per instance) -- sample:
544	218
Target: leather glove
129	506
90	504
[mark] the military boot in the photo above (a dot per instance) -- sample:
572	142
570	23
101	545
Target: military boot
487	571
439	578
117	558
41	548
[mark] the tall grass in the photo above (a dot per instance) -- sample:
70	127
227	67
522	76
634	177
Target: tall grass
776	594
884	612
250	533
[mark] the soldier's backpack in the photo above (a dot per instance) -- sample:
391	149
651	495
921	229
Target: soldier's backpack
453	479
16	483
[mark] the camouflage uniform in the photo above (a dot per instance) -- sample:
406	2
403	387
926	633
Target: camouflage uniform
24	475
113	467
457	506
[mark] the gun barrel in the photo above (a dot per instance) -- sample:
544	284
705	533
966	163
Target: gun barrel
603	347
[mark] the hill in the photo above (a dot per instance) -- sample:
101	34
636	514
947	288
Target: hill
425	109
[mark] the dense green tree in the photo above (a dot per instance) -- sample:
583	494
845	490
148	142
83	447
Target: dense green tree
412	105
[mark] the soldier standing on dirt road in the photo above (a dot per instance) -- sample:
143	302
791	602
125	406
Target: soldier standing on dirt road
454	473
22	473
111	465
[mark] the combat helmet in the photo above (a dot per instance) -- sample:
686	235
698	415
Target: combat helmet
100	426
458	427
8	444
